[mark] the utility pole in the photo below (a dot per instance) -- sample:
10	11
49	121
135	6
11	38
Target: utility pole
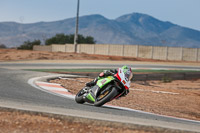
76	30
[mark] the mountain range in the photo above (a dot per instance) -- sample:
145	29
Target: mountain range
134	28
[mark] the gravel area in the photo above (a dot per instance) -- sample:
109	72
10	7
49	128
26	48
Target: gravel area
24	56
16	55
179	98
13	121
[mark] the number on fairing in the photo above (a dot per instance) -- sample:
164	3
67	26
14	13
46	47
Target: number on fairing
103	81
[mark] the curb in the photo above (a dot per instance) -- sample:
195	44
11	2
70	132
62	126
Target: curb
58	90
55	88
42	84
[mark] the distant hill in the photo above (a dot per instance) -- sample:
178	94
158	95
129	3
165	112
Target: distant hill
135	28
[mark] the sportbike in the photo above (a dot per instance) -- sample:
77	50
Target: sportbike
106	89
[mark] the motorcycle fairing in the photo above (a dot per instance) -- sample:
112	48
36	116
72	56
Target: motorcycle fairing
104	81
120	75
91	96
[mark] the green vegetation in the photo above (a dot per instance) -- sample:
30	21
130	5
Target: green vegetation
69	39
28	45
57	39
66	70
2	46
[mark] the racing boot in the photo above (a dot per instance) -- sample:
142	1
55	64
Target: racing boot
91	83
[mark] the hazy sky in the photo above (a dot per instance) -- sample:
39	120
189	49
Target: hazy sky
182	12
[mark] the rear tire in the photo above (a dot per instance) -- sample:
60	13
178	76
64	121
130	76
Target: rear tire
107	98
79	97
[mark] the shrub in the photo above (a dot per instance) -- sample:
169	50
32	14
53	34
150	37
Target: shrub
2	46
29	45
69	39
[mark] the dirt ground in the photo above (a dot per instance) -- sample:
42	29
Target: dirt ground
29	55
178	98
24	122
17	55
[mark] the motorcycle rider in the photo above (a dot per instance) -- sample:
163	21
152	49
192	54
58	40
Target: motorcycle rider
112	72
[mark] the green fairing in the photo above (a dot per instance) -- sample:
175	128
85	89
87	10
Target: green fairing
102	82
90	97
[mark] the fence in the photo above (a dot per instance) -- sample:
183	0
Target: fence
137	51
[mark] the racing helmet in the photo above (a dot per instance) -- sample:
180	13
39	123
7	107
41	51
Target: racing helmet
127	72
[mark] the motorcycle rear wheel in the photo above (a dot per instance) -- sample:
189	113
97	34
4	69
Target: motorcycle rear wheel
111	94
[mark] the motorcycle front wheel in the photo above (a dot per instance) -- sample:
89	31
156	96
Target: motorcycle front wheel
106	97
79	97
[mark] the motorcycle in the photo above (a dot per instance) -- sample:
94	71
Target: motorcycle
105	90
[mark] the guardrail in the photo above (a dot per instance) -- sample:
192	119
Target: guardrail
137	51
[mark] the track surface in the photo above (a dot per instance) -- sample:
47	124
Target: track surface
14	88
81	65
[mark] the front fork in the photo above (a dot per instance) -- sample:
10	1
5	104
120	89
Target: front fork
88	96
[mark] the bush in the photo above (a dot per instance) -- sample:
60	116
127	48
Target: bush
69	39
2	46
29	45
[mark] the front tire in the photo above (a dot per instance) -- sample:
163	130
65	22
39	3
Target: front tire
79	97
112	93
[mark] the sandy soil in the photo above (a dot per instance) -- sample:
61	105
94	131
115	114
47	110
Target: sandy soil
16	55
25	56
180	98
25	122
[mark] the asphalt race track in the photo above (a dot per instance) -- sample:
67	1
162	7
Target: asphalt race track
17	93
82	65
